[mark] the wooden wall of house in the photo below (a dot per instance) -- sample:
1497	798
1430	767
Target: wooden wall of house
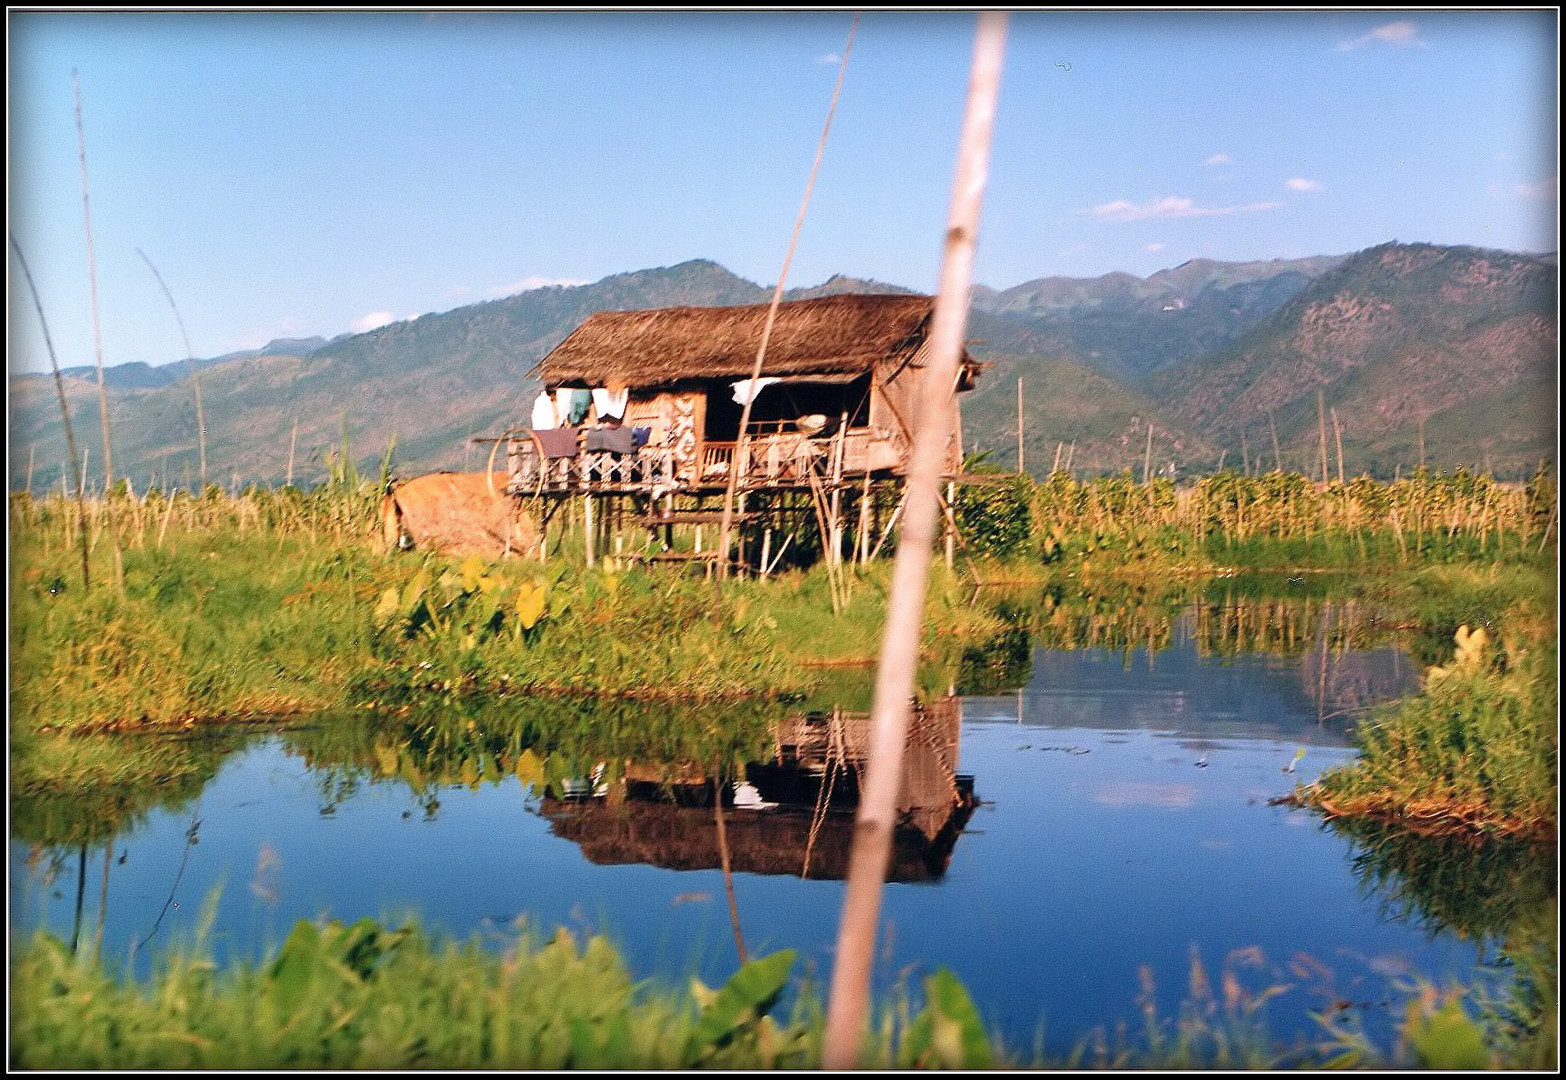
895	404
677	419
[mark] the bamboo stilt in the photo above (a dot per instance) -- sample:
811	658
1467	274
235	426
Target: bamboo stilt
848	1004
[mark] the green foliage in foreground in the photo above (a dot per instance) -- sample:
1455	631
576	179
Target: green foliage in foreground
365	997
362	997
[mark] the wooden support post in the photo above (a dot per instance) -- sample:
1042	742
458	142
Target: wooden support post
837	492
951	527
862	544
1022	466
1321	421
587	524
1337	432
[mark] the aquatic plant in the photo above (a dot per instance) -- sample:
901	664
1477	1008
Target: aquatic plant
1475	752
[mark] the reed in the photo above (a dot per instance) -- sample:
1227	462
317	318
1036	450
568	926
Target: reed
190	361
65	413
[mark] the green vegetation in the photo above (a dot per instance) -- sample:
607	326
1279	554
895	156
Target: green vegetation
1476	751
365	997
208	612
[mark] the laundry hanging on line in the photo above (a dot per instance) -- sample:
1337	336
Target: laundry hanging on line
610	404
544	415
745	390
571	405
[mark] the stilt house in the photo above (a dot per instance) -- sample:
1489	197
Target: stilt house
662	392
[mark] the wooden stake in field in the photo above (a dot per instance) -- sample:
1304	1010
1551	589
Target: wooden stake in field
1337	432
1022	465
1321	420
190	361
877	816
92	285
65	414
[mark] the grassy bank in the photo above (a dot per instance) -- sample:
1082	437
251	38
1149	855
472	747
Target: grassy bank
1477	751
367	997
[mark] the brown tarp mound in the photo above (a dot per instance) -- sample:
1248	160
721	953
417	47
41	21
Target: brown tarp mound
458	513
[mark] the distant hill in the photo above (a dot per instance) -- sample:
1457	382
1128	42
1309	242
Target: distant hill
1202	352
1460	341
1127	327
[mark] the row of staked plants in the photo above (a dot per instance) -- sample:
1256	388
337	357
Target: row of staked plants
1282	517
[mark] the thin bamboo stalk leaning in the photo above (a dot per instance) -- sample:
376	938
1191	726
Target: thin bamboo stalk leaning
849	1001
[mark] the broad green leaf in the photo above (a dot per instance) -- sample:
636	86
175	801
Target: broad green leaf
530	604
389	607
744	998
413	594
294	969
530	770
948	1032
472	571
1449	1041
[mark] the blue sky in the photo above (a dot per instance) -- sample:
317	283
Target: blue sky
293	174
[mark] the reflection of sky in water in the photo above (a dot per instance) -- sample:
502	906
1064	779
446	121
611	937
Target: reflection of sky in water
1125	822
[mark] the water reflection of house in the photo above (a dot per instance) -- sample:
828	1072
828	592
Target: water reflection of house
798	818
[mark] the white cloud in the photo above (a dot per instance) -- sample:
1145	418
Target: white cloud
527	284
374	320
1217	159
1301	184
1170	206
829	58
1544	189
1401	35
1153	249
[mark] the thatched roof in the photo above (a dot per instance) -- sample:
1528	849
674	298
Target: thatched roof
831	335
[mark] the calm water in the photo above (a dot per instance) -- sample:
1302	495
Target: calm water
1122	823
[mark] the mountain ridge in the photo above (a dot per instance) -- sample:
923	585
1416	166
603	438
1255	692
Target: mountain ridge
1198	352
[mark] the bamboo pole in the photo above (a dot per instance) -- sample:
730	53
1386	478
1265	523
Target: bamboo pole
190	361
741	444
65	412
1277	454
874	823
92	284
1022	466
1337	431
1321	421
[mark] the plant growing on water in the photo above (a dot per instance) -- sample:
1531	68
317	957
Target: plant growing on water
1475	752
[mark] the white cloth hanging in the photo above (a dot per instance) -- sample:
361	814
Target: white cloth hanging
745	390
544	417
610	403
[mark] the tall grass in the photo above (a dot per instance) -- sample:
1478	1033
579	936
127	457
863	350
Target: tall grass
1477	751
367	996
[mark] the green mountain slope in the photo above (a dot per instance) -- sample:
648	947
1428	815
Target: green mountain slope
1397	337
1209	354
